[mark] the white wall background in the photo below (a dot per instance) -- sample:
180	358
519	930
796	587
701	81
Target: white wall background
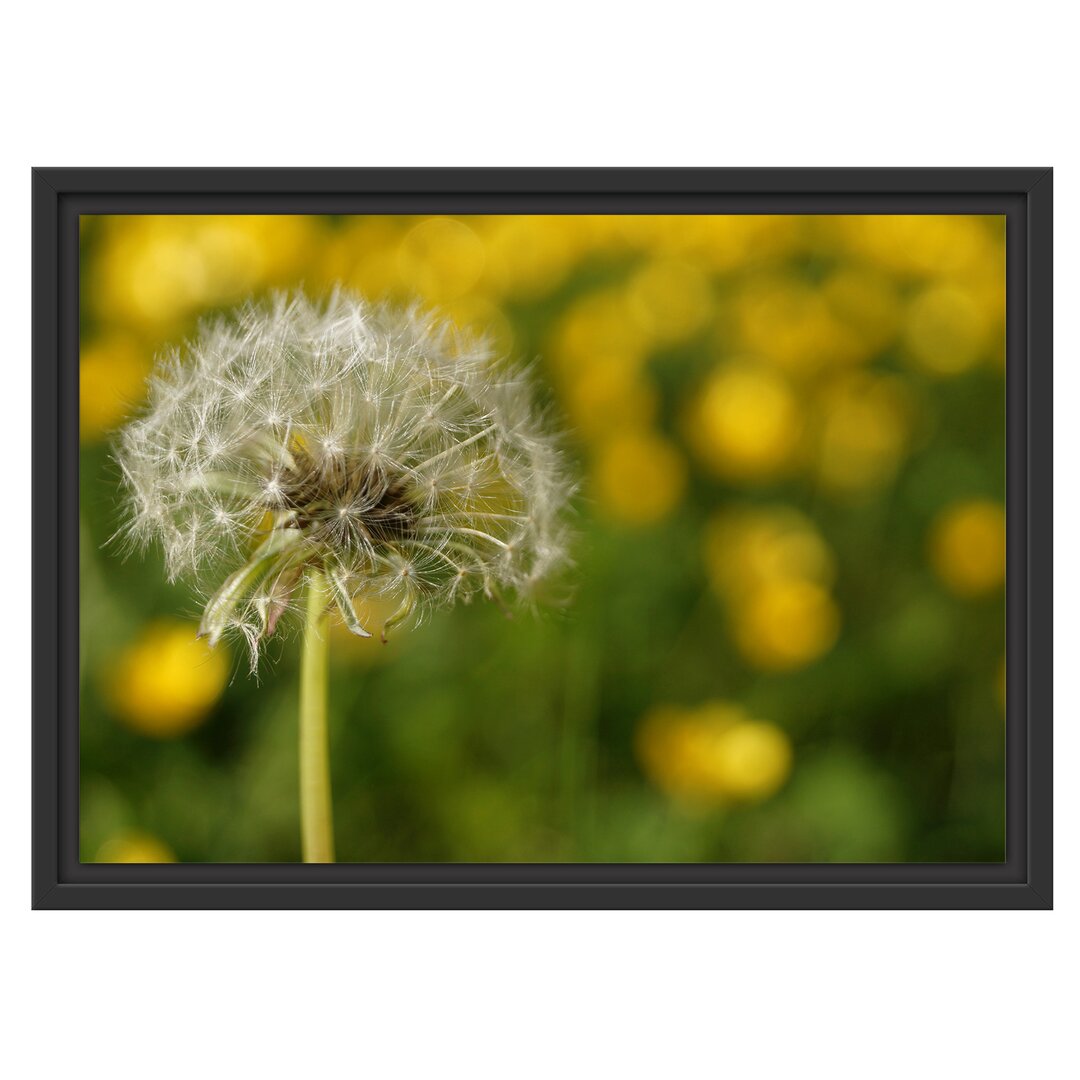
742	994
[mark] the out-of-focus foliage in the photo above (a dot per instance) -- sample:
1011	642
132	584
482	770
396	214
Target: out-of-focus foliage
787	637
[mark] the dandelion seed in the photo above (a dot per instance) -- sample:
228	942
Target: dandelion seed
374	447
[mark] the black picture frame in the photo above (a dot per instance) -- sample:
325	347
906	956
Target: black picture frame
1023	880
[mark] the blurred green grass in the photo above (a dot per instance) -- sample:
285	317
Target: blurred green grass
822	397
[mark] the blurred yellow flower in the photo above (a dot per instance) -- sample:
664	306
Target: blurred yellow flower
987	289
772	569
607	395
712	754
865	423
868	304
788	323
663	235
362	255
967	547
112	374
528	255
745	424
483	318
166	681
612	235
785	624
730	242
133	846
638	477
440	259
922	245
752	760
669	300
748	548
947	329
157	269
596	325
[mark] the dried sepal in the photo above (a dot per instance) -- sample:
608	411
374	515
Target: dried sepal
337	579
275	553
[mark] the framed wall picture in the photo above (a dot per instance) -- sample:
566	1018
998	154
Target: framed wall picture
542	538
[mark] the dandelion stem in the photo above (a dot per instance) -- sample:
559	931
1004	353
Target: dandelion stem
316	811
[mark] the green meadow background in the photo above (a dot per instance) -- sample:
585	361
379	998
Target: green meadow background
786	637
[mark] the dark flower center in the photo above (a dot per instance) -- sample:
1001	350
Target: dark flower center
346	500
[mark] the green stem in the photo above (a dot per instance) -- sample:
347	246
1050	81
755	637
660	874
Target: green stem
316	810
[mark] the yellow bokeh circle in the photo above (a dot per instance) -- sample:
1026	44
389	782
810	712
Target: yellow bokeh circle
440	259
789	323
786	624
864	428
967	547
607	395
134	846
746	549
638	478
712	754
596	325
746	423
157	269
947	330
112	376
165	682
669	300
750	760
868	304
527	255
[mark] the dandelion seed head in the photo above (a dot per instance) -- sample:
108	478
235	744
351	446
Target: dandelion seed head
375	444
